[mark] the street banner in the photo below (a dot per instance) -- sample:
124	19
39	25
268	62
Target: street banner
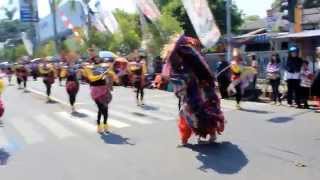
149	9
272	21
68	24
27	43
107	17
28	11
98	24
203	21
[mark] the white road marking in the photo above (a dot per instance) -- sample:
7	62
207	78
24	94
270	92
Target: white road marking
77	121
3	139
54	127
128	117
52	98
27	131
112	122
167	105
156	114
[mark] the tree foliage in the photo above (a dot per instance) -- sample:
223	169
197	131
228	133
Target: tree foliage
251	18
20	51
10	10
13	53
175	8
12	29
47	49
160	33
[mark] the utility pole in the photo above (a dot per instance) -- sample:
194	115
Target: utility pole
228	10
34	6
53	9
89	23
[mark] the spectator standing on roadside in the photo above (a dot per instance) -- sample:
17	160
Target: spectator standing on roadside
274	77
292	75
254	64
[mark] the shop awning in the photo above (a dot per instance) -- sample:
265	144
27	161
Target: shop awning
303	34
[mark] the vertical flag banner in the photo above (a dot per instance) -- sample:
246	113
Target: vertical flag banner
98	24
67	23
107	17
202	21
149	9
27	43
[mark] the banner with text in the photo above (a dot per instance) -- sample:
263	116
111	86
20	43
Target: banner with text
202	21
149	9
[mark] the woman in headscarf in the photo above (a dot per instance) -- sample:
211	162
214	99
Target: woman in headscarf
101	79
200	111
48	72
292	75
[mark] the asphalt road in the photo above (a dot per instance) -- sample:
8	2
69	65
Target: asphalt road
43	141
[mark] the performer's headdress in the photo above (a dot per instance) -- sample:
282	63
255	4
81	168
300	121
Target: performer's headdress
183	54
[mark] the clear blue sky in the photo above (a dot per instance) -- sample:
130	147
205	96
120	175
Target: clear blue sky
249	7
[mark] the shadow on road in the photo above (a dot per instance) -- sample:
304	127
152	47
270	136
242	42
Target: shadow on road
286	119
280	119
256	111
79	115
149	108
51	102
26	91
112	138
4	156
224	158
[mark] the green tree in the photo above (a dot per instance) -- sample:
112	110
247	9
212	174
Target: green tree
20	51
175	8
9	11
251	18
130	36
12	53
12	29
47	49
161	31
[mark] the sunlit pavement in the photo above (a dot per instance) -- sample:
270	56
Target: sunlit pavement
43	141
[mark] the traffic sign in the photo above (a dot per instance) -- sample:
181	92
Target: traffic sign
28	11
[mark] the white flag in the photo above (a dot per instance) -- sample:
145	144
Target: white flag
27	43
149	9
202	21
98	24
107	17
